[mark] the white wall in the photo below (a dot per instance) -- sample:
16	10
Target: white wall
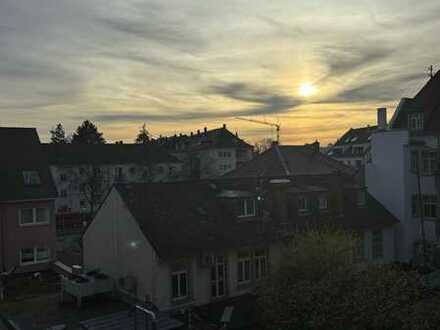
115	244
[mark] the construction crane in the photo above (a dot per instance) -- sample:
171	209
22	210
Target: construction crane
263	122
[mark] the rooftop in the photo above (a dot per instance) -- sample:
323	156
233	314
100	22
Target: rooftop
23	153
282	161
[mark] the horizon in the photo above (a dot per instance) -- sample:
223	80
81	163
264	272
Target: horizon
317	68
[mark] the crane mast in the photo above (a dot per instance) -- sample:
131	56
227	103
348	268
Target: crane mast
263	122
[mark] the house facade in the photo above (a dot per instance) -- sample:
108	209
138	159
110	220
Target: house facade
83	174
178	250
27	196
208	153
198	242
402	168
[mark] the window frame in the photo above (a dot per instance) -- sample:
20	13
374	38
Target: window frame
243	208
303	209
429	202
260	264
31	178
376	238
320	205
179	274
35	260
35	221
418	119
244	265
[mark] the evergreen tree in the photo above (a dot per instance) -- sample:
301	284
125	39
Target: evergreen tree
87	133
58	135
143	136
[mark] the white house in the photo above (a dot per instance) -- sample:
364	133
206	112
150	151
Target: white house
403	164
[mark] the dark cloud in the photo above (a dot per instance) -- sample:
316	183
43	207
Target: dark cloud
268	102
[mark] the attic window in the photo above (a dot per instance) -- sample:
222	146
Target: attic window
31	178
415	121
247	208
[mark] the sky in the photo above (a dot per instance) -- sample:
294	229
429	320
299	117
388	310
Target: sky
181	65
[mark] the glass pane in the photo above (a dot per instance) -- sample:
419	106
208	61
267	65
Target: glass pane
183	285
42	254
26	216
27	255
42	215
240	271
175	286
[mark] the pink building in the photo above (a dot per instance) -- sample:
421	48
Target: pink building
27	194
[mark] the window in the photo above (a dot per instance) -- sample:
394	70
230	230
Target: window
415	121
429	162
35	255
303	205
377	244
119	173
244	267
358	150
31	178
218	277
359	252
63	193
429	204
33	216
247	208
63	177
260	263
179	284
323	203
414	160
361	198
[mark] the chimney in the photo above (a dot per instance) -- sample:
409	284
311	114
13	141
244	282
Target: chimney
224	126
191	134
382	118
205	130
198	132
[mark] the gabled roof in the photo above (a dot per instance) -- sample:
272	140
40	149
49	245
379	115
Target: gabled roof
427	100
215	138
356	136
77	154
22	151
186	218
282	161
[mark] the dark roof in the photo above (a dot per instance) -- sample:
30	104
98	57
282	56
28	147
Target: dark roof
372	216
282	161
76	154
356	136
185	218
215	138
427	100
23	152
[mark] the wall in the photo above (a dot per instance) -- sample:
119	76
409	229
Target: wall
211	162
15	237
115	244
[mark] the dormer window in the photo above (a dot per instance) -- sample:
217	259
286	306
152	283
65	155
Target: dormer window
31	178
415	121
247	208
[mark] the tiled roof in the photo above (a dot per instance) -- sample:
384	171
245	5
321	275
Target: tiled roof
22	151
187	218
427	100
356	136
215	138
76	154
281	161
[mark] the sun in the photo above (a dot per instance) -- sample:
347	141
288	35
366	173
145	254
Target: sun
307	89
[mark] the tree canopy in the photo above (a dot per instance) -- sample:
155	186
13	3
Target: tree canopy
322	285
87	133
58	135
143	136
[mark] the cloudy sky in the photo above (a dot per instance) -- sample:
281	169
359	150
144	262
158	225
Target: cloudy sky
179	65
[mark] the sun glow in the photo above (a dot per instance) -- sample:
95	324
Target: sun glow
307	89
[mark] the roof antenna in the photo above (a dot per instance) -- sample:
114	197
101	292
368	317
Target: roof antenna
431	71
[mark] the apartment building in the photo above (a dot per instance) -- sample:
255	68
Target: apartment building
208	153
402	169
27	196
